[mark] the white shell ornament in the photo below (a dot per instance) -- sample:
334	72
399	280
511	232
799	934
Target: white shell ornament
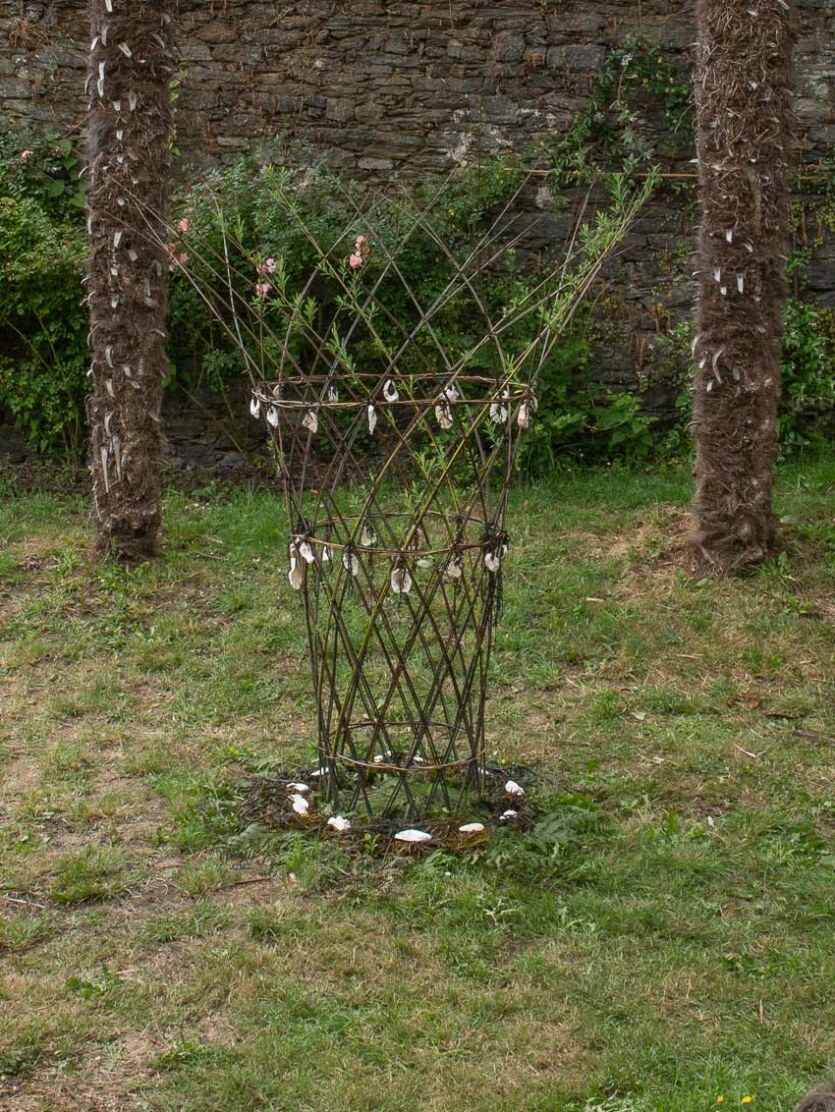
255	407
351	563
401	581
512	788
340	824
443	415
367	537
523	418
306	552
295	574
498	414
471	828
372	418
390	390
311	421
455	567
414	836
272	416
333	394
492	561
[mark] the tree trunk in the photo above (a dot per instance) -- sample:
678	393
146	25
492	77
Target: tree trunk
130	128
743	98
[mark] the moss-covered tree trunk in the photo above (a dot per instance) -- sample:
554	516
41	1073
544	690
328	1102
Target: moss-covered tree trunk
130	123
743	98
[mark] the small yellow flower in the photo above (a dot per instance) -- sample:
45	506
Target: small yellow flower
720	1099
748	1100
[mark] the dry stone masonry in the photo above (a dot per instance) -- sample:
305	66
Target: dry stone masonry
387	87
382	85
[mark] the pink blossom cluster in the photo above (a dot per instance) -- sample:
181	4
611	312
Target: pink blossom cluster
269	266
176	258
361	249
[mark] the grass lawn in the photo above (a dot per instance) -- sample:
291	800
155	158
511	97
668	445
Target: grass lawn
666	941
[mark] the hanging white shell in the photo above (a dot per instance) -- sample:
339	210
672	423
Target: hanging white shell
455	567
372	418
471	828
295	574
255	407
390	390
443	415
367	537
350	561
451	393
523	419
311	421
401	581
326	554
339	823
493	561
333	394
272	416
512	788
306	552
303	789
412	836
498	414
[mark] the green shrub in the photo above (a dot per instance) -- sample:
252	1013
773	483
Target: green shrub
807	413
43	350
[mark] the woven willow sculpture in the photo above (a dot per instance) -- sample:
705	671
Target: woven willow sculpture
396	450
396	484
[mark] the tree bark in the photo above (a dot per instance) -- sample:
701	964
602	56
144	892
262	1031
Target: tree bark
130	128
743	99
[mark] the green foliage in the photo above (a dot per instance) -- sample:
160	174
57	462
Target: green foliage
42	324
616	129
244	215
807	414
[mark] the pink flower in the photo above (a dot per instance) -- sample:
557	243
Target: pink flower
182	259
183	226
355	261
360	242
262	289
26	155
270	266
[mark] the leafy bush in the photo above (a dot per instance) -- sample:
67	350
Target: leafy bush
807	413
43	351
246	214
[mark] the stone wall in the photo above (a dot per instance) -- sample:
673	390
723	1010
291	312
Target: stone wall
382	85
388	87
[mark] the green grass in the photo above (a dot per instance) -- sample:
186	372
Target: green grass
664	937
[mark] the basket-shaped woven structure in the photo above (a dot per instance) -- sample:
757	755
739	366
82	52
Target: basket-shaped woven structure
396	481
396	425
